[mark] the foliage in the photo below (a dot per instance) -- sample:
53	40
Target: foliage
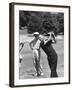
42	21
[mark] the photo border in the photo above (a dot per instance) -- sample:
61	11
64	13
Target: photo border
11	43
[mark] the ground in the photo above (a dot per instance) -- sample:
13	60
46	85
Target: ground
27	69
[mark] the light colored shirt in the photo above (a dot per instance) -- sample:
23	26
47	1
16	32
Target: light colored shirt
35	43
43	38
47	38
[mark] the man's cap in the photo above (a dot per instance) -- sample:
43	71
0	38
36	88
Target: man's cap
36	33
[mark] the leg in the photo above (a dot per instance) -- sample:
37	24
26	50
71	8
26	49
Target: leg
52	59
37	62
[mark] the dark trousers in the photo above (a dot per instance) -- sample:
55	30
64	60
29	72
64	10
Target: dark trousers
52	59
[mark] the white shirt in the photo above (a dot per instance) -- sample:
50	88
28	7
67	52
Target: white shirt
37	45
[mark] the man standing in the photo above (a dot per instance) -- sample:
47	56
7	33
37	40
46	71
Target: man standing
35	46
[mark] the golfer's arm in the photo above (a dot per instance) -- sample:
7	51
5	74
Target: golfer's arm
47	40
54	38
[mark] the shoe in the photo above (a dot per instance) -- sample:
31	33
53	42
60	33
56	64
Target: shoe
39	74
35	74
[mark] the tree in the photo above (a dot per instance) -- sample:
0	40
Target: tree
42	21
34	24
23	18
60	19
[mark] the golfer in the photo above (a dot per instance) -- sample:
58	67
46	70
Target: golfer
50	52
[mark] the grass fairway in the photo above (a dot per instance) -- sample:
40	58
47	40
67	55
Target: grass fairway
27	69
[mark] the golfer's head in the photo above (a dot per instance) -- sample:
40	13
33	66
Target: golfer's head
36	34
